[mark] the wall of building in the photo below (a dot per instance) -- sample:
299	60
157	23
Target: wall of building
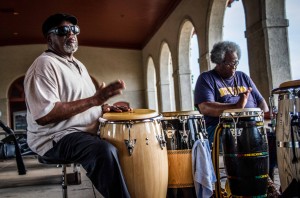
266	33
192	10
104	64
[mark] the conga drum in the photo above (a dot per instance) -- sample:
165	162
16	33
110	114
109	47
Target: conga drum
288	134
181	130
142	153
245	148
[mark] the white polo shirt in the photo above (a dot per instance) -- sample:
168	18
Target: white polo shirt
52	79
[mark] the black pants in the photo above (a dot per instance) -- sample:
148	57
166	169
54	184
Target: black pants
98	157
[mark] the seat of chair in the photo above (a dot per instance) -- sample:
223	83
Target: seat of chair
48	160
67	178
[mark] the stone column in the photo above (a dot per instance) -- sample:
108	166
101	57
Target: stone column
205	62
185	90
167	102
268	50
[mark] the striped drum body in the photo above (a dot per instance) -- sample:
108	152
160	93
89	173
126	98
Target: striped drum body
245	147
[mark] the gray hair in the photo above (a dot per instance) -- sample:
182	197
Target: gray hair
219	50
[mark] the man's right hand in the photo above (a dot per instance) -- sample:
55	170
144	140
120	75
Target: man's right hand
103	93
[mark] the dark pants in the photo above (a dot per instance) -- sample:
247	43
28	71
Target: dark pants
98	157
211	130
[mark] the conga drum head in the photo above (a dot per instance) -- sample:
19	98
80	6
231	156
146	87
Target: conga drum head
287	87
136	114
289	84
245	112
180	113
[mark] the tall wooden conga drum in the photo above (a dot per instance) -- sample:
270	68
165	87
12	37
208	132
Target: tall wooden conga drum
142	153
245	150
181	130
288	135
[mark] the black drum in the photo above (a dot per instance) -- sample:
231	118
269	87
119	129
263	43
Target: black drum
245	147
181	130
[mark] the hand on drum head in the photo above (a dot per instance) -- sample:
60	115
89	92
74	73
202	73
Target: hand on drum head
118	108
243	98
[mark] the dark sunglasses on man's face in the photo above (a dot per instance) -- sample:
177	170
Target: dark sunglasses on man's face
65	30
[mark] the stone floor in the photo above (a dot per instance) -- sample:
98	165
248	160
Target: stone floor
44	181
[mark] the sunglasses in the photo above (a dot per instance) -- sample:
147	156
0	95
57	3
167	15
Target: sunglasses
65	30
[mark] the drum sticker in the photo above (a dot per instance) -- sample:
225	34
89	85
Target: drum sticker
236	132
170	133
280	119
184	135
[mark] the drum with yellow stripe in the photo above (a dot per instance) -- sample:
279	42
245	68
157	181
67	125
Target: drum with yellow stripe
142	152
245	148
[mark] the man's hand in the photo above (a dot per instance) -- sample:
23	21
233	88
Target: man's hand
243	98
108	108
103	93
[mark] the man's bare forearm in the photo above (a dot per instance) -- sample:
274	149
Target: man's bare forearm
214	109
65	110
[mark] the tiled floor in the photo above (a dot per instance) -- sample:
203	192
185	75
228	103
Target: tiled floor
44	181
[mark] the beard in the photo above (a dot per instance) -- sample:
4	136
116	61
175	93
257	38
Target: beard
71	47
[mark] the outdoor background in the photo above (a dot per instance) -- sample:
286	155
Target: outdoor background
234	30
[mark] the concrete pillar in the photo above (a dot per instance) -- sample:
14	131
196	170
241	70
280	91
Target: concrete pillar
268	51
185	90
205	62
4	114
166	97
152	99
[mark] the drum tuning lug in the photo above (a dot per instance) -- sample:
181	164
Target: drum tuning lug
161	141
130	145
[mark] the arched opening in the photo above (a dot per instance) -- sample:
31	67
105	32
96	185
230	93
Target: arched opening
166	79
234	28
215	30
151	85
194	61
17	105
185	66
